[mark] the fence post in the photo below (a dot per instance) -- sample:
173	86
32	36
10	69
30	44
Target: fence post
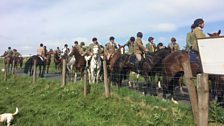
86	84
106	85
34	71
63	79
203	92
191	90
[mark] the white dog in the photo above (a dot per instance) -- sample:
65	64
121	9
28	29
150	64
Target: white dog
8	117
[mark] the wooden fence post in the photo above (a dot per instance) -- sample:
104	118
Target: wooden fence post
106	85
203	92
63	79
86	84
191	90
34	71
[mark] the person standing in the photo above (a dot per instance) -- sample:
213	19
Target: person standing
197	32
130	44
151	46
174	46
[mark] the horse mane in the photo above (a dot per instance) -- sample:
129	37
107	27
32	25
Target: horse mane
115	57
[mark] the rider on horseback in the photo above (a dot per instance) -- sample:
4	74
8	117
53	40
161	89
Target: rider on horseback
65	52
174	46
139	50
130	44
111	47
197	32
16	54
151	46
8	53
90	50
41	52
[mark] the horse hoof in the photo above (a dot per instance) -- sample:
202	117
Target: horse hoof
174	101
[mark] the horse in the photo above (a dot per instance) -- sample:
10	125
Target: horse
57	61
79	64
48	59
173	70
95	65
8	62
39	62
70	63
18	61
152	61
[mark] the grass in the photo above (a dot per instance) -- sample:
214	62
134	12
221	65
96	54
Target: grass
47	104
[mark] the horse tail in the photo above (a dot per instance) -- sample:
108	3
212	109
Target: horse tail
27	65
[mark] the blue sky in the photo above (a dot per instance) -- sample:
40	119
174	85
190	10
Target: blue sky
26	23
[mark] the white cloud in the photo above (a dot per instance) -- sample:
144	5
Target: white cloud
28	22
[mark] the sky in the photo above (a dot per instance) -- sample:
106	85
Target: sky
25	24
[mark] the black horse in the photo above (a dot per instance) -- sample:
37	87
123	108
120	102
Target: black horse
39	62
127	63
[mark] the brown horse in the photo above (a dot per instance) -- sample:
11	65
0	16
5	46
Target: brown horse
18	61
173	70
57	62
150	65
113	59
80	63
8	63
48	59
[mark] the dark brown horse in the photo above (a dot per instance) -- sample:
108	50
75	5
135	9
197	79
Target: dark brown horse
113	59
80	63
48	59
30	63
57	62
127	63
173	70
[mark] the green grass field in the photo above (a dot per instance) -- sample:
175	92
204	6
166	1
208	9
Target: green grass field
47	104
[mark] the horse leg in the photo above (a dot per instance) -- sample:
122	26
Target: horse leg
171	90
75	77
97	76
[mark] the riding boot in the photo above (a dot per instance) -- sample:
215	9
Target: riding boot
138	66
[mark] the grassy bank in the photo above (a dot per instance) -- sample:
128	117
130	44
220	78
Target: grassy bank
47	104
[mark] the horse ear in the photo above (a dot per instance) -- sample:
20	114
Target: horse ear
209	34
119	45
219	32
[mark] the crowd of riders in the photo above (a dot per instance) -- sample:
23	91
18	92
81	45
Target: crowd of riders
134	44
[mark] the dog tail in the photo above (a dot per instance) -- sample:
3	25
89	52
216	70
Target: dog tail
17	110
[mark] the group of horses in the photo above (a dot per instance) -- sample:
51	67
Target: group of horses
163	63
12	62
169	65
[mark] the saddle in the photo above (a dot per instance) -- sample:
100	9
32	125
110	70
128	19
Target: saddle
193	56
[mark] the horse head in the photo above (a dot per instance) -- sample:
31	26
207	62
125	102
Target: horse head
96	49
215	34
121	48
